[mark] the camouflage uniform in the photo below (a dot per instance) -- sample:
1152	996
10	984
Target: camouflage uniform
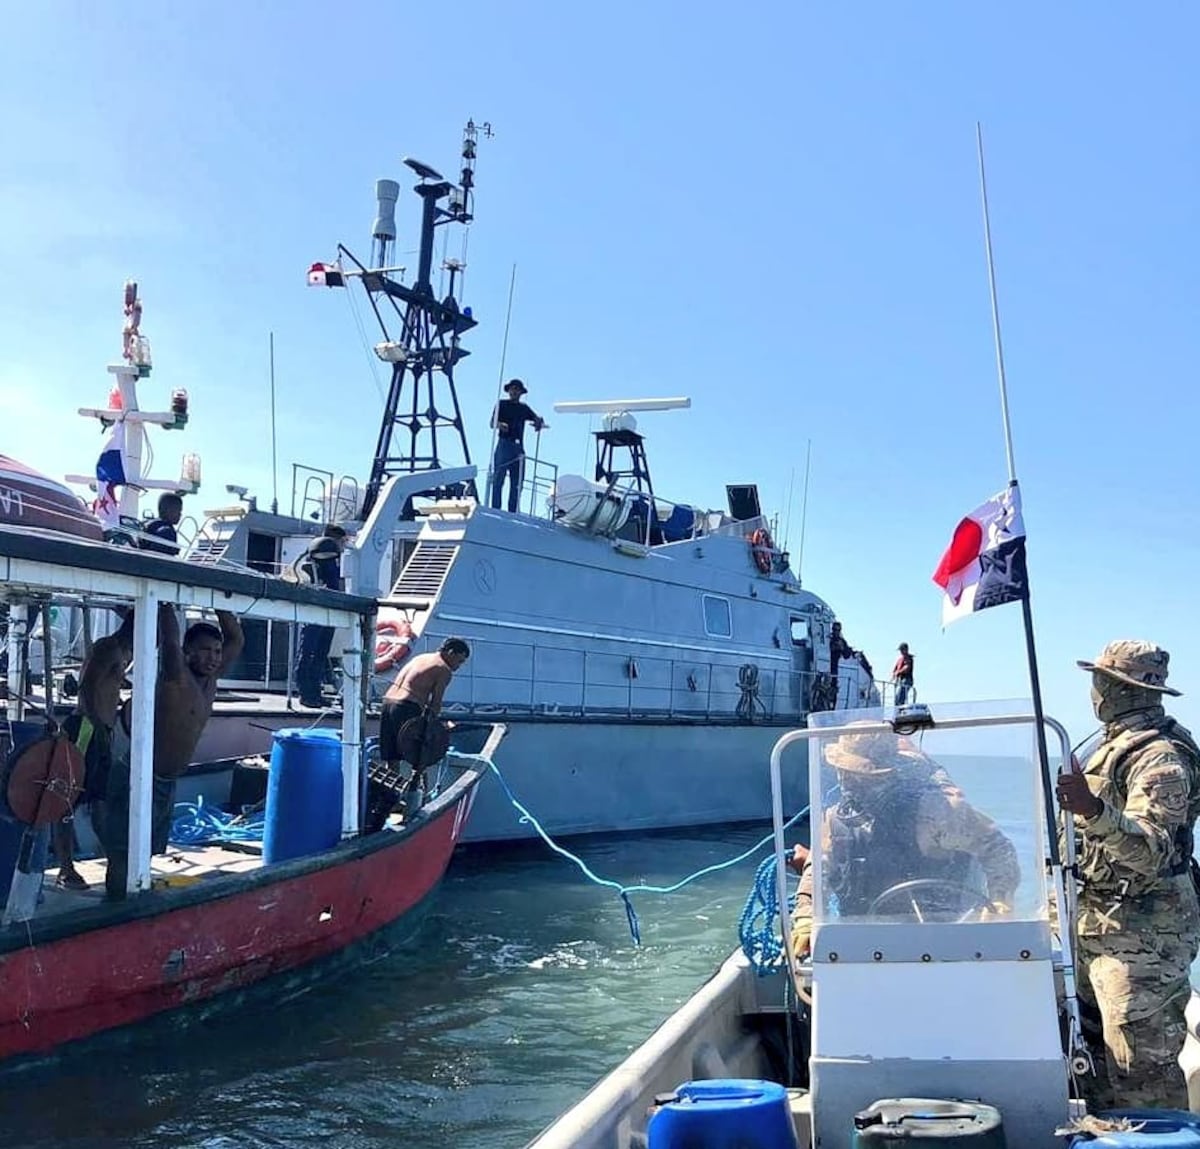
1139	927
943	822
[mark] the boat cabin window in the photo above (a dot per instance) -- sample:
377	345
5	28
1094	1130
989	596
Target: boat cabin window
940	826
799	632
718	622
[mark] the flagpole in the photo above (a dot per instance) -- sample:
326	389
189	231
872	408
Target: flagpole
1035	686
991	267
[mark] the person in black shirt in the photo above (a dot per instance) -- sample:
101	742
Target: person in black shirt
321	565
170	511
509	419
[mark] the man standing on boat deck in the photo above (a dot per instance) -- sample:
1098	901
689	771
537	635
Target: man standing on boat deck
509	419
321	565
1135	804
91	729
902	675
901	818
412	702
185	691
418	690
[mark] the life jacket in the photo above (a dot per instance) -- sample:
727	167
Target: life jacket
1109	764
872	849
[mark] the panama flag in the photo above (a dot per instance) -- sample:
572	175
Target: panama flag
326	275
110	474
985	562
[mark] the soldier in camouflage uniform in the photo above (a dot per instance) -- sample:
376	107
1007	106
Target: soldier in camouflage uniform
901	817
1135	805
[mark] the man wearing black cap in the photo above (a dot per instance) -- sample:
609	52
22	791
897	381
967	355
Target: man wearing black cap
509	419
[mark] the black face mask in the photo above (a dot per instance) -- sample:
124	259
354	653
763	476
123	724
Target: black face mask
1113	699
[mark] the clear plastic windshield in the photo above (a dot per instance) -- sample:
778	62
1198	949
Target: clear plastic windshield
933	826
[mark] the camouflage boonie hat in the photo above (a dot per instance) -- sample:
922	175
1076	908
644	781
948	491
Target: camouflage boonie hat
1141	664
867	753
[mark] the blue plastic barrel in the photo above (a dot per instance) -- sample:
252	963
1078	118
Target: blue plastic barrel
1159	1129
724	1114
304	794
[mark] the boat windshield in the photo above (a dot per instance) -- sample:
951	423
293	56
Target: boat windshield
937	825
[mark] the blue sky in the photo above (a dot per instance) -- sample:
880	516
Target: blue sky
770	208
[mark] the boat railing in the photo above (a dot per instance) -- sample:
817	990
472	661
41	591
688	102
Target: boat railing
739	528
516	678
538	486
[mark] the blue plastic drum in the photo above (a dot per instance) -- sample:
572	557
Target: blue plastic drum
727	1113
304	794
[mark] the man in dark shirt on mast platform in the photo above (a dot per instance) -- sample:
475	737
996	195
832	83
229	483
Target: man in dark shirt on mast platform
509	419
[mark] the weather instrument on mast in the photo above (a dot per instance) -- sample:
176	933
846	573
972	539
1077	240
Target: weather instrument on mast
422	329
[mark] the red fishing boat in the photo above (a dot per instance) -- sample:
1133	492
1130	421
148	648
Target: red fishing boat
205	920
334	866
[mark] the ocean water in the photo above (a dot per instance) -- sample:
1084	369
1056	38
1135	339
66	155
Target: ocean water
521	988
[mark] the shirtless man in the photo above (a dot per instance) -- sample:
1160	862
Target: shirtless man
184	696
417	690
91	728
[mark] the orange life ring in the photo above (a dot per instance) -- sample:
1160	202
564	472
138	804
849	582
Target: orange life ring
762	549
393	643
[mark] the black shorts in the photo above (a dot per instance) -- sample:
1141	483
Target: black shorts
391	723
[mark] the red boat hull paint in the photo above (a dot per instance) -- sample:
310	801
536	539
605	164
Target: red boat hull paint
177	947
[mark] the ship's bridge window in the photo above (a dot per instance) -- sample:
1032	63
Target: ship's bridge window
718	623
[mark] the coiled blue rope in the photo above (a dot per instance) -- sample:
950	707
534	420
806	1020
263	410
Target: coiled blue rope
761	944
196	824
623	890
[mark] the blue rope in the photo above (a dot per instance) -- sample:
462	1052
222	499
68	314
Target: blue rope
761	944
623	890
196	824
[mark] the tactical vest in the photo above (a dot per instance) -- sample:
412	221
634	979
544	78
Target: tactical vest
875	848
1108	763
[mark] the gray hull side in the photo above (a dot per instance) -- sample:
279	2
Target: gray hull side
584	778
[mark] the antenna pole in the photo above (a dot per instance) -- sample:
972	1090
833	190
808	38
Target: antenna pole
1035	686
804	509
1063	888
512	287
274	467
787	522
987	241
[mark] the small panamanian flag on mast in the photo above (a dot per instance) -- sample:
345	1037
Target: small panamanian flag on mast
984	565
326	275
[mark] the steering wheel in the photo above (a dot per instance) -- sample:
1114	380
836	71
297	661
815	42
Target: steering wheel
911	895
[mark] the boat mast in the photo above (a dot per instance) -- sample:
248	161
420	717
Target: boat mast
426	347
136	363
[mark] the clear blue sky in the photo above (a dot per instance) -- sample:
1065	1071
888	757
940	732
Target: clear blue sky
772	209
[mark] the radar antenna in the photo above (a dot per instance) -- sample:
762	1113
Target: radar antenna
426	347
620	433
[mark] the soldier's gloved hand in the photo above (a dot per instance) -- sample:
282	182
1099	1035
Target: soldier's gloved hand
995	909
1075	797
801	936
797	858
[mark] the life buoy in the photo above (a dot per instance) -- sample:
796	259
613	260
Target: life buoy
393	642
762	549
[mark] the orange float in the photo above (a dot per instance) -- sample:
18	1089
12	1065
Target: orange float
393	643
762	549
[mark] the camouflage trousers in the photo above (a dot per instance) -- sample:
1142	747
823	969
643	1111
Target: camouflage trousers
1134	986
